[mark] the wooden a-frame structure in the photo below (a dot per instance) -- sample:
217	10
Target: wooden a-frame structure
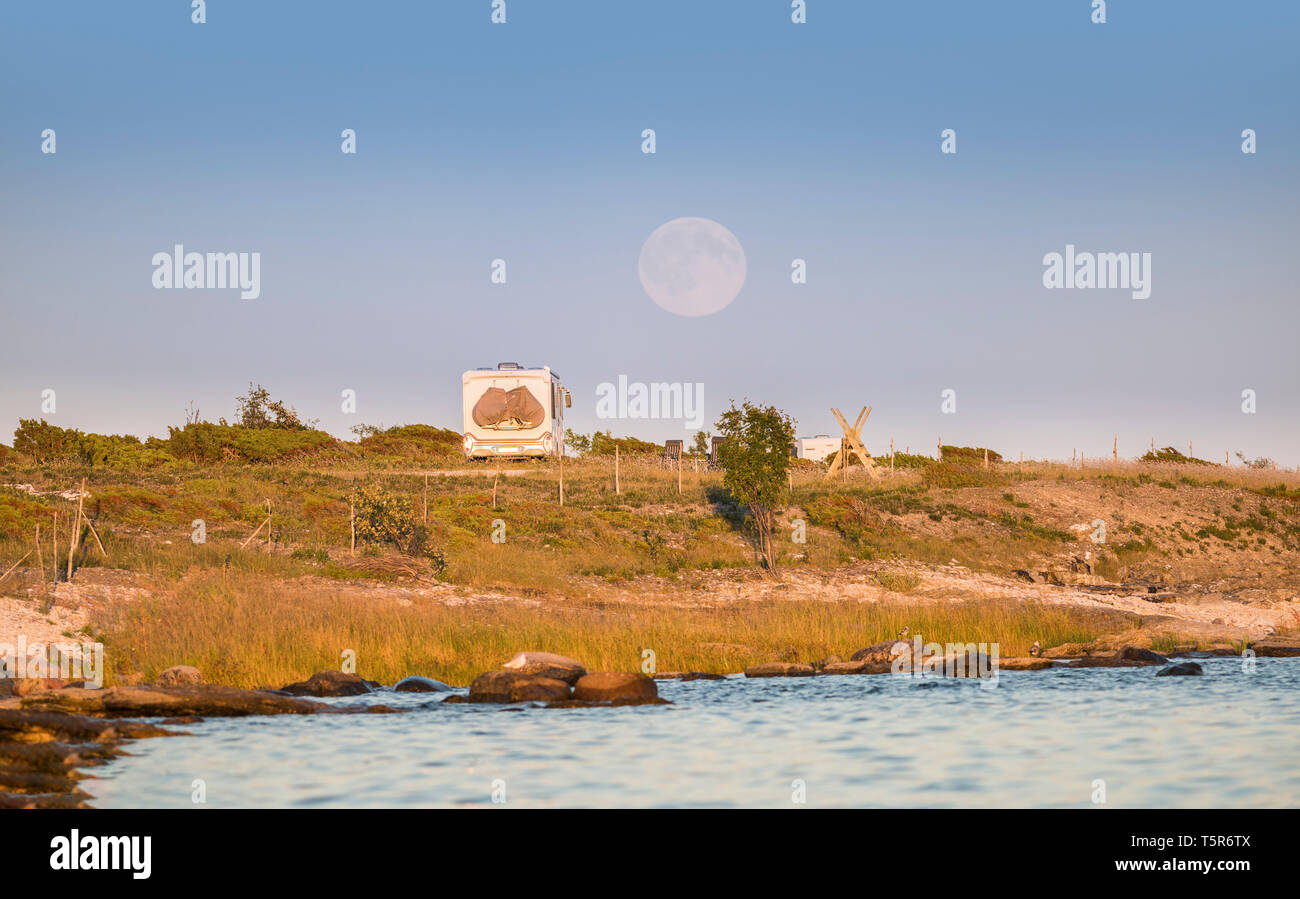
851	443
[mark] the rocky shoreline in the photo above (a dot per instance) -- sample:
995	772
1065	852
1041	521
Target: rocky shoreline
50	730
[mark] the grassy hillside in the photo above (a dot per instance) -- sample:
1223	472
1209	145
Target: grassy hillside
290	600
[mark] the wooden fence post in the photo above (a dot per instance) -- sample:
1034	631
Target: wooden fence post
94	533
15	565
76	527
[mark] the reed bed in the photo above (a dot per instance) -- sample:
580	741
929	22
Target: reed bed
240	630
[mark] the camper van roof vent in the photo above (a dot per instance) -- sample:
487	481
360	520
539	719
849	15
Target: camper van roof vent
508	366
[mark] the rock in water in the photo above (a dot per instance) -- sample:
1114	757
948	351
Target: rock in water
547	664
604	685
780	669
1024	663
858	667
1181	669
329	683
881	652
538	689
417	684
493	686
1128	657
177	675
512	686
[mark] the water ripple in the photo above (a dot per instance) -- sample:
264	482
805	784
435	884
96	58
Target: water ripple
1037	739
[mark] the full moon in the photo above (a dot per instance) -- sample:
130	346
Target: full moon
692	266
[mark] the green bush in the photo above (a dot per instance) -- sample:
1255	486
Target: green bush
947	474
1169	455
415	441
19	515
383	518
603	444
208	442
48	444
851	517
43	441
969	455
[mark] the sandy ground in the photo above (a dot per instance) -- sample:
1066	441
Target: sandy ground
50	616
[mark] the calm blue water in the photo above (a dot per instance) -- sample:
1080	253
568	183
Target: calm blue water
1226	739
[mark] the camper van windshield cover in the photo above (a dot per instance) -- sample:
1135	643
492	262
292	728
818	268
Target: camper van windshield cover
515	409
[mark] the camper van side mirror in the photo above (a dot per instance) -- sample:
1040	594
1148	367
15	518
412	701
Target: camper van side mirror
568	399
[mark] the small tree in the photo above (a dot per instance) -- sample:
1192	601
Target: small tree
755	456
701	445
363	430
579	443
257	410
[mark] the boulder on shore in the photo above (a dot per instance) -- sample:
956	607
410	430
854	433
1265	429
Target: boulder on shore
208	700
177	675
329	683
41	751
25	686
1277	646
417	684
602	686
547	664
1181	669
779	669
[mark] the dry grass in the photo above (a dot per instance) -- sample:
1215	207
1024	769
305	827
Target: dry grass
241	617
238	632
649	528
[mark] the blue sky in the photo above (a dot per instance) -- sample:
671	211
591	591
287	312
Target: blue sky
522	141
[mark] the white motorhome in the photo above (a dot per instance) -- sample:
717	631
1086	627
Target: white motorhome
816	448
513	412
